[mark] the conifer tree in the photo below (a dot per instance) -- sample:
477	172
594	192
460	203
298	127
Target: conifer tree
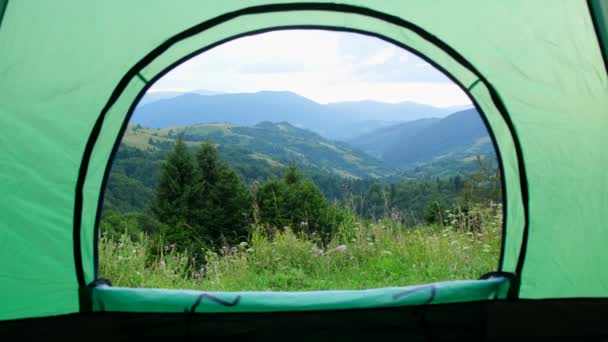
222	202
296	202
172	203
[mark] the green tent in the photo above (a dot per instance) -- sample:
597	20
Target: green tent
72	71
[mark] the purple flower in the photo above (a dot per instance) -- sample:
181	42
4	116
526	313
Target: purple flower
341	248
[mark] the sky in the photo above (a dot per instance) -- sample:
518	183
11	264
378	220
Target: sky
320	65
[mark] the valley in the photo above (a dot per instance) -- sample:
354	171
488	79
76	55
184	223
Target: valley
412	151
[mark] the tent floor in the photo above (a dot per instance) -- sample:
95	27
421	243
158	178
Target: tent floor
565	319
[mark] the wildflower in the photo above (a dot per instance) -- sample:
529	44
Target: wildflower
341	248
243	244
320	251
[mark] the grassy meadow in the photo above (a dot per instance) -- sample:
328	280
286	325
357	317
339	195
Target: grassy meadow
363	254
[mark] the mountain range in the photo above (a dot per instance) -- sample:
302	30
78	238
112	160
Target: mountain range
419	149
336	121
154	96
377	154
459	135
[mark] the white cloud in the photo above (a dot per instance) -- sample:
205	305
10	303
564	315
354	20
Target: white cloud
323	66
380	57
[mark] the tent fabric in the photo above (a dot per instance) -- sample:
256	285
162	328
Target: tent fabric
72	71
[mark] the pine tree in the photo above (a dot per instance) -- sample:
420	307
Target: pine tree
174	191
375	204
293	176
296	202
222	203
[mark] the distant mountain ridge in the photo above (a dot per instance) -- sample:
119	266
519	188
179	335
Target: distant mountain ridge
154	96
338	121
378	142
459	135
382	111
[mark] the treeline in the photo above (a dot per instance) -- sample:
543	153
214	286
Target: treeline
198	201
135	174
413	202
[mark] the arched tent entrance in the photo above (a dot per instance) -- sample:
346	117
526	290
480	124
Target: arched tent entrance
70	81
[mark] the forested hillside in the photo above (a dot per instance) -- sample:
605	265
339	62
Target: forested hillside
264	151
256	153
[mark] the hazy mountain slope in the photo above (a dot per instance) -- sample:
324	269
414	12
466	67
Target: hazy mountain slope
238	109
403	111
454	135
458	135
339	121
150	97
378	142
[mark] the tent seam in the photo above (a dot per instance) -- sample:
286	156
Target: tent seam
3	6
470	88
142	78
596	27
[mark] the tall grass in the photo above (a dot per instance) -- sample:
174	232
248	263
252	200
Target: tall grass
361	255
